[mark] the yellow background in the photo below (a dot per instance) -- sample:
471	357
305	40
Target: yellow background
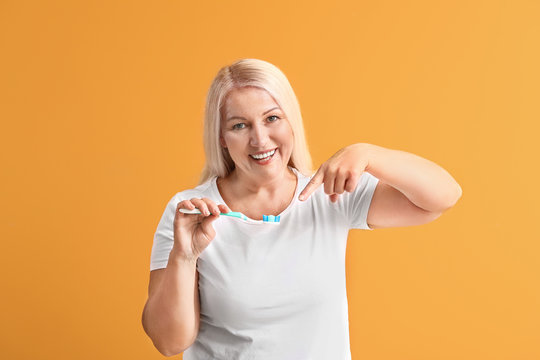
101	105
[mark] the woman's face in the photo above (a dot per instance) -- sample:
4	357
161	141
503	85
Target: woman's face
251	123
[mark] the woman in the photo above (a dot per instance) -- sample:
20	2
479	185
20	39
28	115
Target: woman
227	288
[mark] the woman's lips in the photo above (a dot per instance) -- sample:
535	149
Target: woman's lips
272	151
267	160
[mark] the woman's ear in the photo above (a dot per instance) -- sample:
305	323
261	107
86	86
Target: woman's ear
222	141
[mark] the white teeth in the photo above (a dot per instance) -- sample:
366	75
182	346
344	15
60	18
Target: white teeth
265	155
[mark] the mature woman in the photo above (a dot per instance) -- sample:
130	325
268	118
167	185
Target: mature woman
228	288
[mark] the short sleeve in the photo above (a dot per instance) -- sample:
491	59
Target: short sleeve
164	236
358	202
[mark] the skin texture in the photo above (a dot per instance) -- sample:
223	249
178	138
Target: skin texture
411	190
340	173
252	188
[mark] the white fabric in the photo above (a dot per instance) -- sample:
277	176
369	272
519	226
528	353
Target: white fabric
274	291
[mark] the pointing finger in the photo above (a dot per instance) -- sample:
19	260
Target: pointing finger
315	181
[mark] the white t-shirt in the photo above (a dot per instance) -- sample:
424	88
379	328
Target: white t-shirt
274	291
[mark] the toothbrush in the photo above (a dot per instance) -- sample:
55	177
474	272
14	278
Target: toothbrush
266	218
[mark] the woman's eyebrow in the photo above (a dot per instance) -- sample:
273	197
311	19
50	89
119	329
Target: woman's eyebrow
241	118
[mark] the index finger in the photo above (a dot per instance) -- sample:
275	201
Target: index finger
315	181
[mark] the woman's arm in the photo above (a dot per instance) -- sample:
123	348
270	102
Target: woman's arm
411	190
424	183
171	314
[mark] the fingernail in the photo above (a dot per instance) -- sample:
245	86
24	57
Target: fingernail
302	197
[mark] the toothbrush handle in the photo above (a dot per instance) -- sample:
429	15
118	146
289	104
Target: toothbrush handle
187	211
195	211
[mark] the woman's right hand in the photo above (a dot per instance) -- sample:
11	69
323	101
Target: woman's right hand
194	232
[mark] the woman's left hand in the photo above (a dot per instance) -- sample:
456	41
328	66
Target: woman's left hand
341	172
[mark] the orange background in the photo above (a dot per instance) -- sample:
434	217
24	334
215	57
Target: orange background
101	105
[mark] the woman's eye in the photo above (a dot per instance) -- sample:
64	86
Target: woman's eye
241	126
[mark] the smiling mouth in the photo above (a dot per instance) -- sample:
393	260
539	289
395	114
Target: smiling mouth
269	156
264	156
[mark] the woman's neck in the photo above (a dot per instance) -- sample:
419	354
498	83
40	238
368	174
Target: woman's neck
242	185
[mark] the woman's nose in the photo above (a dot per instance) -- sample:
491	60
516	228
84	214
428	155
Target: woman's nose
258	136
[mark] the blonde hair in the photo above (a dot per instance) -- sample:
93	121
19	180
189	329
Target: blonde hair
263	75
